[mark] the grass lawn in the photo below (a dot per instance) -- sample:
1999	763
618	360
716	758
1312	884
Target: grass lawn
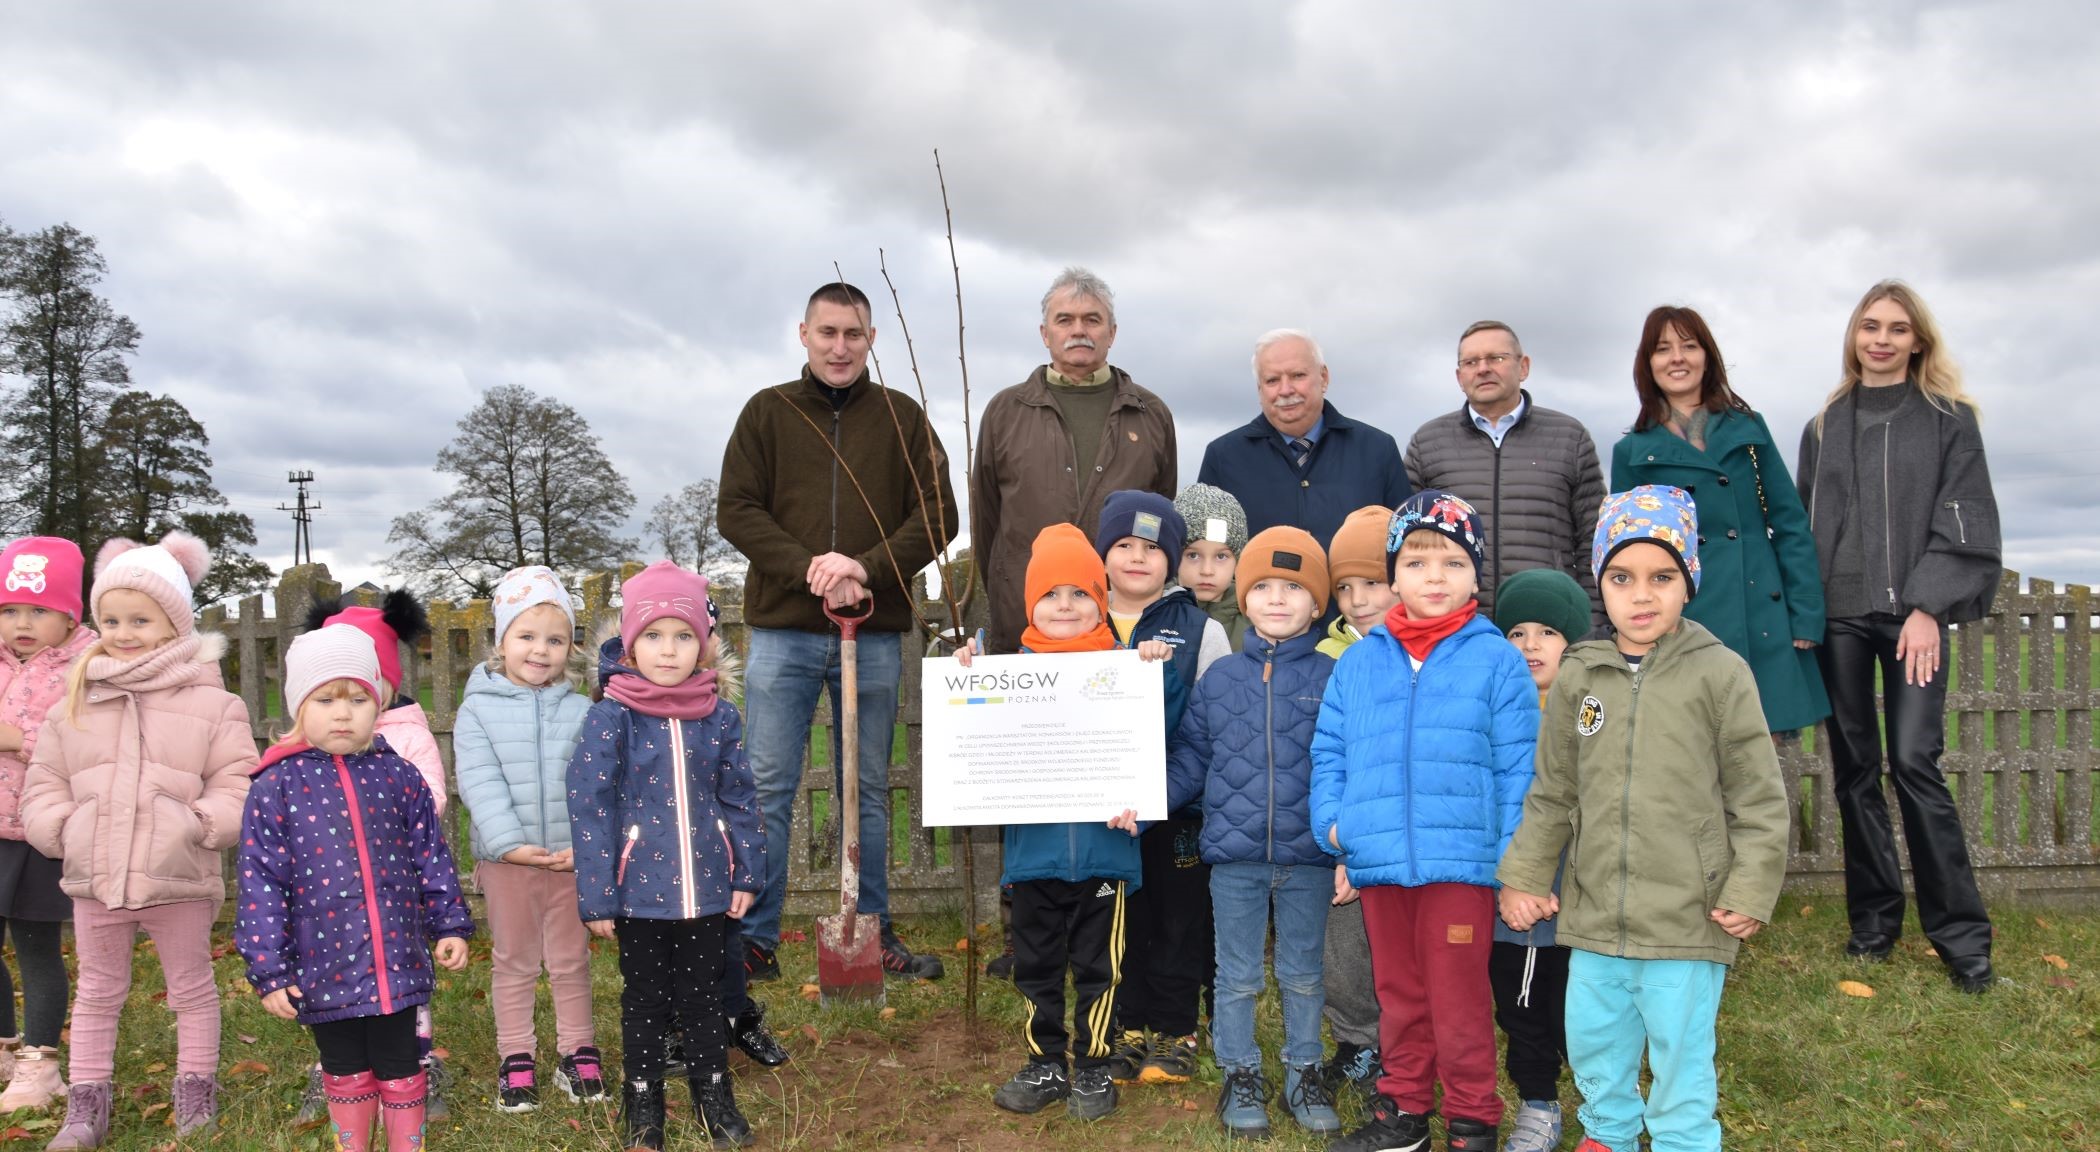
1803	1066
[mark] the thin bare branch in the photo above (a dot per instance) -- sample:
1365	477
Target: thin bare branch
961	357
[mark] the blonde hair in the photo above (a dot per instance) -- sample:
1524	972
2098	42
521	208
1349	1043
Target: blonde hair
1933	370
76	682
333	690
576	670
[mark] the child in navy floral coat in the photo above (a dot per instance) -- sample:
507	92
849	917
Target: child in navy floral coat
668	846
347	890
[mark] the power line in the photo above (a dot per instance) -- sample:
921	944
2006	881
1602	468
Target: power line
302	516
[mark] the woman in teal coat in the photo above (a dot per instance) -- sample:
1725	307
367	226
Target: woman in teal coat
1761	590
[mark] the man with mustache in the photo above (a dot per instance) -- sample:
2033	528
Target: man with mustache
1531	471
1052	447
1301	462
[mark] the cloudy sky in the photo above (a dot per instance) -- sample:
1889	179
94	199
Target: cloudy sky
338	224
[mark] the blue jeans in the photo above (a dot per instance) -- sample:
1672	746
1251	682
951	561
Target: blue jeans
787	670
1242	897
1618	1007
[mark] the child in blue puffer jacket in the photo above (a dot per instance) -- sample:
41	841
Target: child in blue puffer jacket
345	879
1421	759
510	746
1244	750
663	814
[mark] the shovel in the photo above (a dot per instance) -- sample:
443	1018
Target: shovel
849	945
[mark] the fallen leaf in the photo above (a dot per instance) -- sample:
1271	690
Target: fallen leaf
157	1066
809	1033
15	1133
812	991
246	1039
249	1068
963	945
2064	982
145	1091
441	1053
150	1109
1855	988
2017	1105
2041	922
888	1014
2057	962
1189	1106
575	1125
1807	910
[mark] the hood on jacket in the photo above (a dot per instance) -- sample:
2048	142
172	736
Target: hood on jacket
1688	636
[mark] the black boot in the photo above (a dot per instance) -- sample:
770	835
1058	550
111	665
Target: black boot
714	1104
642	1113
751	1036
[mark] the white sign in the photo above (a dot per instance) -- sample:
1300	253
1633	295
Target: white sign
1047	738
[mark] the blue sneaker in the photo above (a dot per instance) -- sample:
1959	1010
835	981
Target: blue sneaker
1311	1103
1243	1105
1537	1128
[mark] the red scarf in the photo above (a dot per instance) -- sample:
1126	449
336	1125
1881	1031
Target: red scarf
1419	636
1101	639
690	699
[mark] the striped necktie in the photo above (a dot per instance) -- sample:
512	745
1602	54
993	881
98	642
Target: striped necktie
1302	448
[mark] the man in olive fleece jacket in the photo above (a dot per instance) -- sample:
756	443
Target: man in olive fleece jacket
806	463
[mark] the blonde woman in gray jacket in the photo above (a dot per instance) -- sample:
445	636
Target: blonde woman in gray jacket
1899	500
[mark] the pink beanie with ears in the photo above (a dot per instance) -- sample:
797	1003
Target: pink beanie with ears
660	590
167	571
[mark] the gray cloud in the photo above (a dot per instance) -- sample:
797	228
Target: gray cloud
336	226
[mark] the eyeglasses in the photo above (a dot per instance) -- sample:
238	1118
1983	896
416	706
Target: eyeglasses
1492	360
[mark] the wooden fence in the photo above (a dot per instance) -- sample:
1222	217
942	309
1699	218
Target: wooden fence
2027	804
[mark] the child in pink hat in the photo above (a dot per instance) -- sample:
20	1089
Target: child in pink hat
40	636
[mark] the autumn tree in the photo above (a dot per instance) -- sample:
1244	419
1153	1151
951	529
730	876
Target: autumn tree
531	485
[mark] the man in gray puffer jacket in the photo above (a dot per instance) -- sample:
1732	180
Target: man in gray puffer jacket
1531	471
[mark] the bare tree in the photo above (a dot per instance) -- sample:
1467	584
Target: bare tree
532	486
683	522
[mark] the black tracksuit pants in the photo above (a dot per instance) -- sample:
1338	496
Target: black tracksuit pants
669	976
1062	926
1171	933
1531	1006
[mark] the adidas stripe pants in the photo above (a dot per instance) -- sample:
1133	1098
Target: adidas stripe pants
1062	926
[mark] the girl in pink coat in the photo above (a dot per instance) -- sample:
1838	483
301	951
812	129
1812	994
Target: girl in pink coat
137	786
40	635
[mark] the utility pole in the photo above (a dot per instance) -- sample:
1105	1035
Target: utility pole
302	515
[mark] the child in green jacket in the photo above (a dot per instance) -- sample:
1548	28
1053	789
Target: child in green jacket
1656	775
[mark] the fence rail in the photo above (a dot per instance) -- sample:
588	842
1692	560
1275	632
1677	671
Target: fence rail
2021	762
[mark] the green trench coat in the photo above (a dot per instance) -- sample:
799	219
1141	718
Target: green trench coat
1757	593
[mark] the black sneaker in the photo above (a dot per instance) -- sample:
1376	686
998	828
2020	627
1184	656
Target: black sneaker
1035	1087
1001	967
1356	1066
313	1104
674	1055
901	962
714	1104
516	1086
642	1114
1470	1136
759	964
751	1037
581	1076
1169	1060
1388	1130
1127	1057
1093	1093
437	1081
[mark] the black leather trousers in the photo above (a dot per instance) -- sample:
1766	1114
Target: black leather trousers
1949	906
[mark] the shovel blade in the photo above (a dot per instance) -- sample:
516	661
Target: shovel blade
850	972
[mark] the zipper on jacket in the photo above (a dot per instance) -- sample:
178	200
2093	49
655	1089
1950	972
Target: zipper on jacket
539	767
1407	758
689	903
1633	720
1960	529
1495	516
1888	545
1268	692
364	869
834	483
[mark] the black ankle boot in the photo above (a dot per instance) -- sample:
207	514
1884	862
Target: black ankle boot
714	1104
642	1113
750	1034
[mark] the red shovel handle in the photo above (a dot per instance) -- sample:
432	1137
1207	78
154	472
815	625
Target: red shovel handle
850	625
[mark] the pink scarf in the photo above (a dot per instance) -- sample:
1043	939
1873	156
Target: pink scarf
690	699
172	665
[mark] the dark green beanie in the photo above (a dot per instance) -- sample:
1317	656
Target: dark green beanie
1543	596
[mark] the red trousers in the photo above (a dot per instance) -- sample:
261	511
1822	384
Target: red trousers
1436	1010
